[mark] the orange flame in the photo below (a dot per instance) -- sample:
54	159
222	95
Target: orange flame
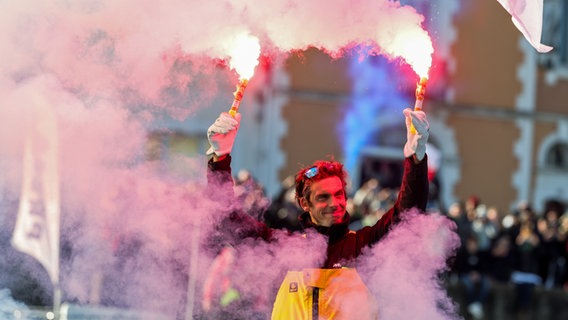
244	54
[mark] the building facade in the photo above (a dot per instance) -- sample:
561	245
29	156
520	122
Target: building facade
497	108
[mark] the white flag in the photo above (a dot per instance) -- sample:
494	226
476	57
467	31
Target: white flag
37	226
527	17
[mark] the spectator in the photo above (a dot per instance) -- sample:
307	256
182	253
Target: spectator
284	212
563	261
494	218
483	228
251	193
364	197
456	212
501	259
551	248
470	207
472	266
525	274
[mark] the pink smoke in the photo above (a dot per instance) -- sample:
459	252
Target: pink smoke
108	69
403	269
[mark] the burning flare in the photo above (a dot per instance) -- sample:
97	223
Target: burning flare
244	58
420	93
418	53
414	45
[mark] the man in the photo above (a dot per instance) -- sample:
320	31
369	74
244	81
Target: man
334	291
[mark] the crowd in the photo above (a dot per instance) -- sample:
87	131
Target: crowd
523	248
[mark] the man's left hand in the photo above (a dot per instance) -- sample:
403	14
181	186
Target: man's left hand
416	140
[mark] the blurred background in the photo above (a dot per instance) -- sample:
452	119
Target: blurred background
498	153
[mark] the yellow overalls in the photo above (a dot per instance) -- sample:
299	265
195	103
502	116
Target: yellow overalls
323	294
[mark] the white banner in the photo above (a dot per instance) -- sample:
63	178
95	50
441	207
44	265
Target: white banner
37	226
527	17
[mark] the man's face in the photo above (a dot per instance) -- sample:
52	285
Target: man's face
327	202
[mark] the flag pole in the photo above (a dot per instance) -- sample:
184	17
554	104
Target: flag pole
37	228
57	300
193	266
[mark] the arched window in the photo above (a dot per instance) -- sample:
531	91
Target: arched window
557	156
555	33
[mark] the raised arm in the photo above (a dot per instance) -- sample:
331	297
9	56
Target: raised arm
414	187
236	224
221	136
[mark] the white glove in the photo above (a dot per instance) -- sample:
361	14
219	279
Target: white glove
416	141
221	134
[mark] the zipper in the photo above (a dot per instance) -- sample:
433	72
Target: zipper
315	303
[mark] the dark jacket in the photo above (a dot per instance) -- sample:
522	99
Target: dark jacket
343	245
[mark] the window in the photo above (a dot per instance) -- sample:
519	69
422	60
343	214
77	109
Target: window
557	156
555	34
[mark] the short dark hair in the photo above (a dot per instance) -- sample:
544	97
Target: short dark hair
319	170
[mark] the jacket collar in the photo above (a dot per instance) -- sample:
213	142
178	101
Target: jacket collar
334	232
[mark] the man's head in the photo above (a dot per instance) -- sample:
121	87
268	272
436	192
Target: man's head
320	190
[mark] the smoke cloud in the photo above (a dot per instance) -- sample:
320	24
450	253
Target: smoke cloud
404	269
133	236
130	49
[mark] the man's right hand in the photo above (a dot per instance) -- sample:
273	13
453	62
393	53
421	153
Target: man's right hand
221	134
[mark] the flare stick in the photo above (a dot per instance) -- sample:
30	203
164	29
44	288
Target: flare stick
420	93
238	96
